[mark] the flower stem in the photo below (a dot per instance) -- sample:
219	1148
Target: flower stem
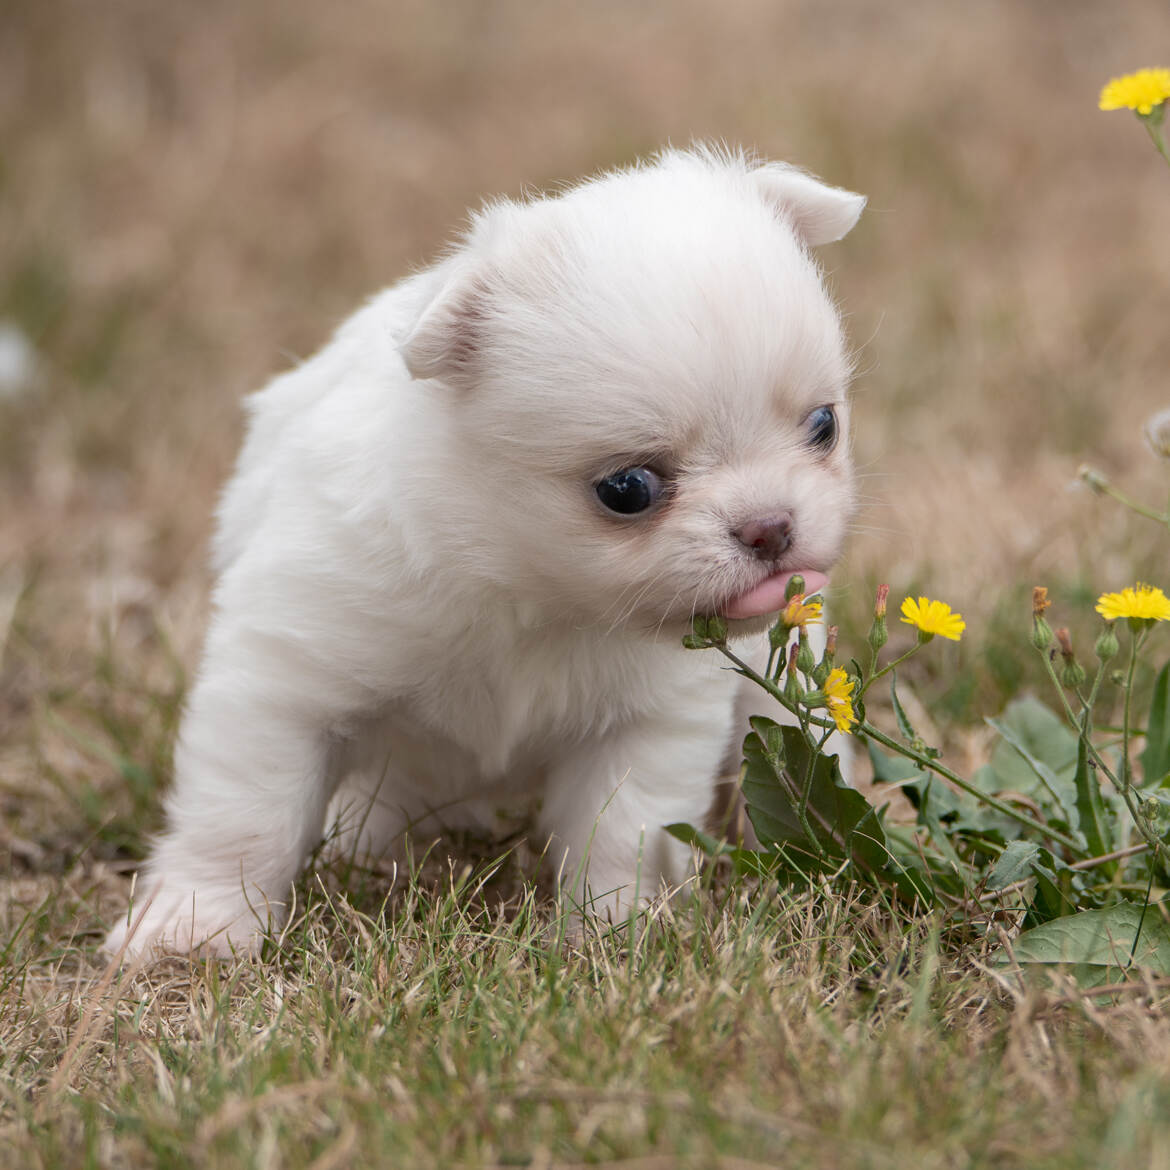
1155	133
1083	727
867	729
806	796
1076	723
1125	770
1064	839
1132	504
806	719
887	668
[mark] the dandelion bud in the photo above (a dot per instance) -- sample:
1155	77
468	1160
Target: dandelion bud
1092	478
878	634
1072	674
1107	645
793	691
804	655
1157	433
795	586
1041	631
697	638
778	634
822	668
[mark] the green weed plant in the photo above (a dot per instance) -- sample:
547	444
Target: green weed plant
1067	821
1066	829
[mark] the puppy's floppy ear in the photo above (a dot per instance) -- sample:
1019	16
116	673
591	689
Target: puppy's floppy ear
447	336
820	213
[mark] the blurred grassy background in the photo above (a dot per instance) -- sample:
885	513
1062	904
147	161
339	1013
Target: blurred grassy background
193	195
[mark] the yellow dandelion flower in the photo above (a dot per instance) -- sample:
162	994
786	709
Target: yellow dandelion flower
799	612
933	617
1143	603
1140	91
838	690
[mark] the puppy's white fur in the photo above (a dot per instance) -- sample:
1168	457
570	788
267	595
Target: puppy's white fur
423	611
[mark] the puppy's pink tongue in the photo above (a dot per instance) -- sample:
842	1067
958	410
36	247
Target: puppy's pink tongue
768	596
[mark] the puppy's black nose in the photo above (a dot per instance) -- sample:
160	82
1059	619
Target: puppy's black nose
768	538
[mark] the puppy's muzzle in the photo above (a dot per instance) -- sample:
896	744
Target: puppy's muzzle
767	538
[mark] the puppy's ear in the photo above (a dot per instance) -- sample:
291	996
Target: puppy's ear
820	213
447	336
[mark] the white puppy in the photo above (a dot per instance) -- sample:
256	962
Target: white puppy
464	541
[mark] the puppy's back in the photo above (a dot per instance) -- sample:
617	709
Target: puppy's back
364	348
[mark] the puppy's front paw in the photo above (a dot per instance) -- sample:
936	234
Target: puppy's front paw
173	918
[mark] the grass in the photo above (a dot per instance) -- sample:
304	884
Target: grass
190	198
445	1028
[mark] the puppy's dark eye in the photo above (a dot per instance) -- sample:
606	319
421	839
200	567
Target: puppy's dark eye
822	429
630	491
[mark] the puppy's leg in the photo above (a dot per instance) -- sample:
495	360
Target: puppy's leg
251	782
607	803
400	788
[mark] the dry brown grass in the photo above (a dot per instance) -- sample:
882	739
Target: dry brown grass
193	195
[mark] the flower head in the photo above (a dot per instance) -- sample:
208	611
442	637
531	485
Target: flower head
1143	603
799	612
933	617
1157	432
838	690
1140	91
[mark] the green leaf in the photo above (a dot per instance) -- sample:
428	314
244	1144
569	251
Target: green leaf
1097	944
934	799
1091	809
843	823
1052	880
1014	864
689	835
745	862
931	867
1050	899
1038	757
904	724
1156	757
892	769
940	810
845	828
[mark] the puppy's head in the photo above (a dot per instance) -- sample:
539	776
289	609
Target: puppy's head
644	389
